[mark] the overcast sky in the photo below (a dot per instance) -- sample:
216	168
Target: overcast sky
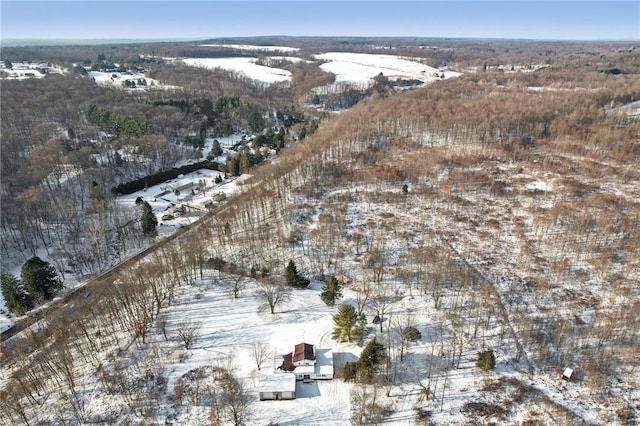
555	20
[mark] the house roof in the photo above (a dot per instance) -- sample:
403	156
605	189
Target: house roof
324	362
287	363
303	351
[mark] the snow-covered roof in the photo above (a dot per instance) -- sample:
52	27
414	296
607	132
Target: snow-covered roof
285	382
324	362
305	369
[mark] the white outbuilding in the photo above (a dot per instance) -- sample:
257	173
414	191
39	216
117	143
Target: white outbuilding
277	386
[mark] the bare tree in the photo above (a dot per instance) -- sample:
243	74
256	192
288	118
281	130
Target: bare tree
380	302
238	282
234	400
161	323
376	261
12	408
272	295
367	409
188	332
407	332
261	353
362	295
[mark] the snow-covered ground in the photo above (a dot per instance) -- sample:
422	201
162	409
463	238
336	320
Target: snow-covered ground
246	66
119	79
179	208
230	327
362	67
26	70
228	330
254	47
353	68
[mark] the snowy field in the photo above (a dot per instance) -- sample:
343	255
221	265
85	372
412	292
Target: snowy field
246	66
229	328
362	67
352	68
254	47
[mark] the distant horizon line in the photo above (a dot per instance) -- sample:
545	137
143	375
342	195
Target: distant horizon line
58	41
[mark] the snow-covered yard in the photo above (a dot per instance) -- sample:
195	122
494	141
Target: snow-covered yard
228	330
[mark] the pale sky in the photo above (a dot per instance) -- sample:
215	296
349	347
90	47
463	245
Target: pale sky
548	20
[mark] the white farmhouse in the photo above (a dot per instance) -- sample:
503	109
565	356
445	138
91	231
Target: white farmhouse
306	363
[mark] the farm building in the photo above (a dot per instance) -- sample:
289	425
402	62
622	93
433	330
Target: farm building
277	386
306	363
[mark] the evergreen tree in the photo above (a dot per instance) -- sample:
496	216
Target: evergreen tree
331	291
293	277
232	166
216	149
411	334
486	360
256	122
15	298
345	321
147	219
372	356
408	334
350	371
360	330
245	160
40	279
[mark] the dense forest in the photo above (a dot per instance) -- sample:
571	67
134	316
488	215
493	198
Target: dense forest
509	201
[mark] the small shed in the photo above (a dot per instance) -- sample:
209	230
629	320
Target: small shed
567	374
277	386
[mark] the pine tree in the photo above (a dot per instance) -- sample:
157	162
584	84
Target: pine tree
345	321
216	149
372	356
486	360
331	291
256	122
15	298
350	371
293	277
147	219
40	279
360	330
